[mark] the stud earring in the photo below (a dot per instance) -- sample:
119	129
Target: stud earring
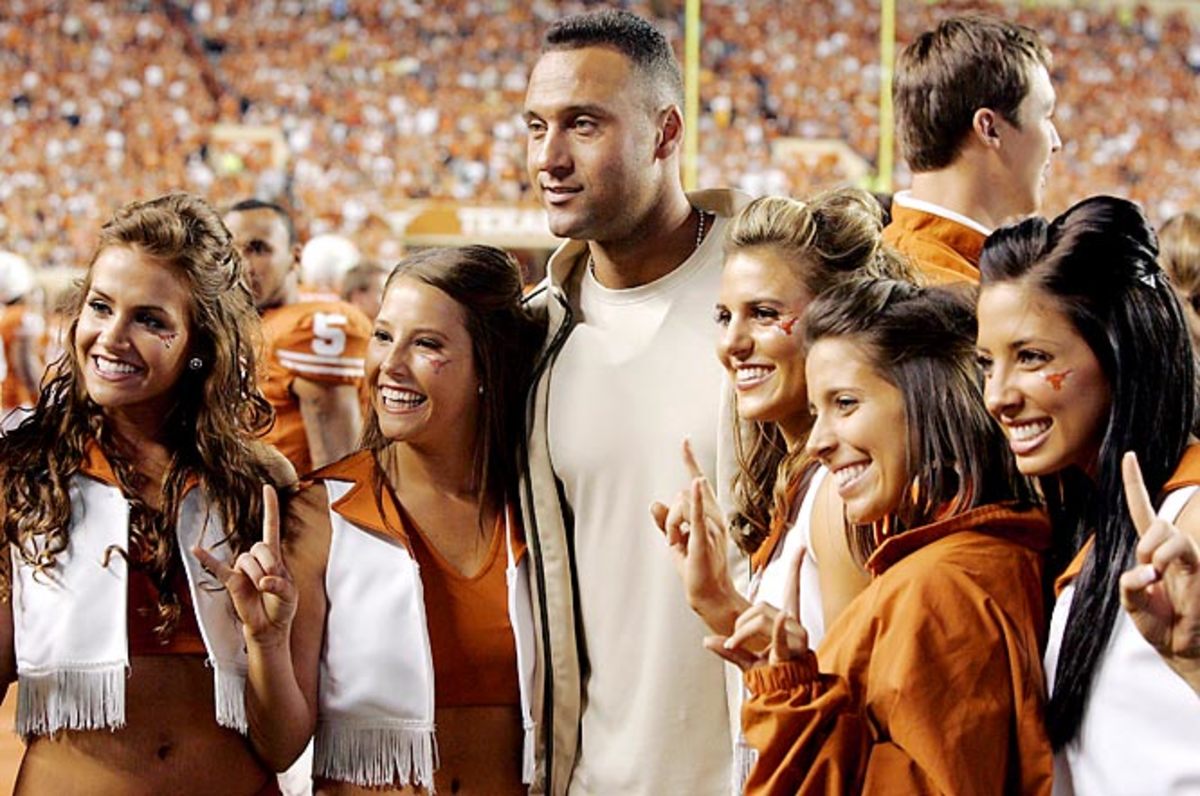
481	389
195	363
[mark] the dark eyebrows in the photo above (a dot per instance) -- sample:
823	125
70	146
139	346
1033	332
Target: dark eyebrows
140	308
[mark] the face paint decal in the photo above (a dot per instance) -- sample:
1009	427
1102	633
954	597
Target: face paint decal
788	324
1056	380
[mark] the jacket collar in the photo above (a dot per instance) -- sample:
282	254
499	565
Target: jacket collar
1027	527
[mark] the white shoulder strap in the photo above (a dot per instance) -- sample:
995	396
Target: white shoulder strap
1172	505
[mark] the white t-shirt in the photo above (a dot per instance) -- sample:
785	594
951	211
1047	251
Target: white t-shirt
1141	726
637	374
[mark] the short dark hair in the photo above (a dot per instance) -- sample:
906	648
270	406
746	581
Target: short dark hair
922	341
247	205
946	74
627	33
1098	262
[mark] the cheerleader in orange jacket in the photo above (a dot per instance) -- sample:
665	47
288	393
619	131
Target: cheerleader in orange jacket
930	681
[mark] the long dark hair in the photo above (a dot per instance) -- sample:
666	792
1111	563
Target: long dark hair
210	429
922	340
1097	261
486	282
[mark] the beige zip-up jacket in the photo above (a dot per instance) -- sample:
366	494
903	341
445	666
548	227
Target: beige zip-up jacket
557	696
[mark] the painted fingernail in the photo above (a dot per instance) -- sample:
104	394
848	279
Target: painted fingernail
1149	575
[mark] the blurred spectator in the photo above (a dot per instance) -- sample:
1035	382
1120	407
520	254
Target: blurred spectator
363	287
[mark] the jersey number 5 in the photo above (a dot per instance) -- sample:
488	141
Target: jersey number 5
329	339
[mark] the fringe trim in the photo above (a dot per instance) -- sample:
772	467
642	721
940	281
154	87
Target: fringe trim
529	762
229	691
375	756
744	758
71	699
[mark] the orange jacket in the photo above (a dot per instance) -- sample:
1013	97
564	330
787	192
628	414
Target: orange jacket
930	682
944	251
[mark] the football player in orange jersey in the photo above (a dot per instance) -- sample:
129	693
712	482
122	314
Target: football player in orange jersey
313	358
21	329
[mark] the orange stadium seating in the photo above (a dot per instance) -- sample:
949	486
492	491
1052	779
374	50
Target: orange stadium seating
376	104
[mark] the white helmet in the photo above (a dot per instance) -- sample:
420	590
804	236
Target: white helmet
325	260
16	277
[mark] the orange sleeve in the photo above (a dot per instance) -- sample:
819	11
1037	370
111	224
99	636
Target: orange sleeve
953	698
805	728
328	344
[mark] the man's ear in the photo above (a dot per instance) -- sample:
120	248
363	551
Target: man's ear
670	132
985	126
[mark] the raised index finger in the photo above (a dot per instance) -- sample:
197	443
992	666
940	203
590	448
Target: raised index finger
689	460
1141	510
271	519
791	597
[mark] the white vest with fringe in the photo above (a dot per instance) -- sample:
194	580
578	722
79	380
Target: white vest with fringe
375	723
69	621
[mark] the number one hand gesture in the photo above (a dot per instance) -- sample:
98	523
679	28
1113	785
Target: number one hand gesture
262	591
788	639
1162	592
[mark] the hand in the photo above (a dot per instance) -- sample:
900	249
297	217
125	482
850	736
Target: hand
788	639
262	591
1162	592
697	541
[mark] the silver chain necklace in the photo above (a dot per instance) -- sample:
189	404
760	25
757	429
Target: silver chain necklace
591	263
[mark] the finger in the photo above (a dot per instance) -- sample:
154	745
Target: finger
1178	551
689	460
698	539
271	519
1155	536
660	512
249	566
779	643
758	629
280	587
677	517
743	659
215	566
1133	585
1136	496
791	595
268	559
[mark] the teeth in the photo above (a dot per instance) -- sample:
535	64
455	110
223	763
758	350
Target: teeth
749	373
847	474
1028	430
397	396
114	366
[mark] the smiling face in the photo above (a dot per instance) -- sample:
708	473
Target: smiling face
421	366
860	428
591	143
1042	381
132	338
762	341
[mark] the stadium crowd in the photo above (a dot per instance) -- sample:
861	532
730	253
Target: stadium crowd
111	100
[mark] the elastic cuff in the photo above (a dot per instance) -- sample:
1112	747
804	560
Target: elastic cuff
787	676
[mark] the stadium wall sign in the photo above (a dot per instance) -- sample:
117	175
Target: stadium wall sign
442	224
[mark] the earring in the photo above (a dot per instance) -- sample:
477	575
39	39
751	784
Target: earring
481	389
195	363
